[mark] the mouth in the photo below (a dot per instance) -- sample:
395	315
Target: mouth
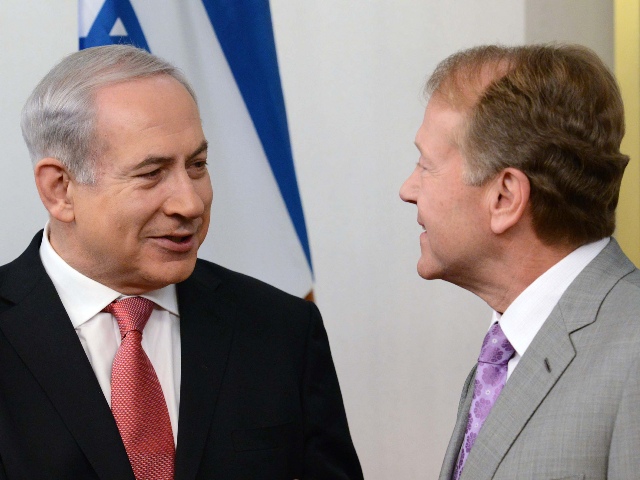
177	243
178	238
423	232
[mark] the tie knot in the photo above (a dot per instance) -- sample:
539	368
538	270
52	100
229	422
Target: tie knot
496	349
132	313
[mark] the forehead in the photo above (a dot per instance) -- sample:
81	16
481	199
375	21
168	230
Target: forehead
146	114
441	127
464	84
144	100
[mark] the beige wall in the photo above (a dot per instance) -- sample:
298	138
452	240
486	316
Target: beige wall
627	63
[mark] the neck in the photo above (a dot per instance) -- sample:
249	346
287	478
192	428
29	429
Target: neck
517	267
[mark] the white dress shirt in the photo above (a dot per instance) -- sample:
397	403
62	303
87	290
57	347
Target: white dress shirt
84	298
524	317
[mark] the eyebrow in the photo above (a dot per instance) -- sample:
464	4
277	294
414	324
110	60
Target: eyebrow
155	160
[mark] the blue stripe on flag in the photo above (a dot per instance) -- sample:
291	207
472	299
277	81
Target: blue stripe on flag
111	11
245	33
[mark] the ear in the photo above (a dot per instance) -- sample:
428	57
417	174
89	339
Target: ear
54	184
509	192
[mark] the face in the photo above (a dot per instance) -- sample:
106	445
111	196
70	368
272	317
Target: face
453	215
139	227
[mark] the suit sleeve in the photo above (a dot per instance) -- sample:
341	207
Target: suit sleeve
329	452
624	461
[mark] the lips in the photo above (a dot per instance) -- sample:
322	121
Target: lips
178	238
423	233
181	243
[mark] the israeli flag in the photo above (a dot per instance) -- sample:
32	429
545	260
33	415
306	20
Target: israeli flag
226	49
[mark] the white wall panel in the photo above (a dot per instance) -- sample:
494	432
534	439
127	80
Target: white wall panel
352	75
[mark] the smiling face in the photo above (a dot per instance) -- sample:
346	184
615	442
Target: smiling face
139	227
454	215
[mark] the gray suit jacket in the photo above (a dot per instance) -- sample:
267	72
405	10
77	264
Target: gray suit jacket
571	408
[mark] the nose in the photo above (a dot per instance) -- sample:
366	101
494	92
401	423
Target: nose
187	197
409	189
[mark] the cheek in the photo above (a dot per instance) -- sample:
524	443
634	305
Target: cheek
206	195
205	192
204	228
434	206
101	222
131	221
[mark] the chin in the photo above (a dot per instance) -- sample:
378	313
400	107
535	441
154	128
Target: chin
182	270
169	273
429	275
428	272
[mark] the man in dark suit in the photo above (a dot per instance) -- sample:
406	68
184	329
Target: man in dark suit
229	378
516	188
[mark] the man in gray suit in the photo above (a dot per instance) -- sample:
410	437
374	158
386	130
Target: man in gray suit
516	189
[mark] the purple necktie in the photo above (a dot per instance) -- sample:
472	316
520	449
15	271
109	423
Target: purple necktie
491	376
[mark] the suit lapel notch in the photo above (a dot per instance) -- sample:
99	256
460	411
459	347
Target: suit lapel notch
580	303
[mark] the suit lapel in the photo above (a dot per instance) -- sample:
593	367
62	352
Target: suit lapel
207	316
451	456
39	329
544	362
526	389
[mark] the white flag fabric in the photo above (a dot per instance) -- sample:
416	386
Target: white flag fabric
226	49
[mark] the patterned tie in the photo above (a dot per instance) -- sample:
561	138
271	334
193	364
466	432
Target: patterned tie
137	402
491	375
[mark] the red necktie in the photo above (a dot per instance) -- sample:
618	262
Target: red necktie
137	402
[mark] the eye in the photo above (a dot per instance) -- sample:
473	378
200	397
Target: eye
197	168
200	164
152	174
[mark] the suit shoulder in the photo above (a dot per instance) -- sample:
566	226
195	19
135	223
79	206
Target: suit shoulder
257	306
632	279
619	315
21	274
628	287
4	270
245	286
625	294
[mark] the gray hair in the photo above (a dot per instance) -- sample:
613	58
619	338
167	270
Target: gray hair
58	119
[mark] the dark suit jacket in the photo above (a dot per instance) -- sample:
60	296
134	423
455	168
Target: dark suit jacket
570	409
259	397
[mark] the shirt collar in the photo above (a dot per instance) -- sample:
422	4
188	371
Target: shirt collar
524	317
83	297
